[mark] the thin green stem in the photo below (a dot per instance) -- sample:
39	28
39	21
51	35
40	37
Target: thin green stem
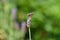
29	34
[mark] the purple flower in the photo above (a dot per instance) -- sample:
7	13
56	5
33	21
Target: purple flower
23	25
14	10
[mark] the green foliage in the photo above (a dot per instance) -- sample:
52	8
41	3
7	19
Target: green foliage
45	20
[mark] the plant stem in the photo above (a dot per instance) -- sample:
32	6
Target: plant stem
29	34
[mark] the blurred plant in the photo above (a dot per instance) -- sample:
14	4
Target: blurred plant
3	35
46	17
29	24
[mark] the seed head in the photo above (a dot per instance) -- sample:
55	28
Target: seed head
29	19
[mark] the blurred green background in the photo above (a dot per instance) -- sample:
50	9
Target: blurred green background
45	23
